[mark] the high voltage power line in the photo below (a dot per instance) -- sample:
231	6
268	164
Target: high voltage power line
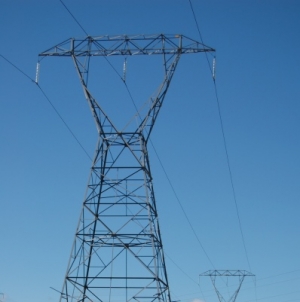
224	139
51	103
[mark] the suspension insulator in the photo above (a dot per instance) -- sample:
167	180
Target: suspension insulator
214	68
37	73
124	69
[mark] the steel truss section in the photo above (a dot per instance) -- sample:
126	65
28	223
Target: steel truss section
117	254
126	45
241	274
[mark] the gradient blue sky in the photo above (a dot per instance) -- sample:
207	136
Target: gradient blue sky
43	171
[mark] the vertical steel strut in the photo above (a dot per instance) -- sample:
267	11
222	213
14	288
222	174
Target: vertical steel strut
117	254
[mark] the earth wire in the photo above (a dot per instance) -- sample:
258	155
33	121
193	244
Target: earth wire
73	17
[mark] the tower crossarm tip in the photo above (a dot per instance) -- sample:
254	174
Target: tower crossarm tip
125	45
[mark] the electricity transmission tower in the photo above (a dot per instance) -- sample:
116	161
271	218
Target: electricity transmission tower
117	254
241	274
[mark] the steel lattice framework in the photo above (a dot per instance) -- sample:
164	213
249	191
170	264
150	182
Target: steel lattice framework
241	274
117	253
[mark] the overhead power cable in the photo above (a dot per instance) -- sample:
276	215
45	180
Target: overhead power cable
225	144
72	133
231	177
73	17
170	183
285	273
207	291
21	71
199	32
52	105
279	295
181	206
168	178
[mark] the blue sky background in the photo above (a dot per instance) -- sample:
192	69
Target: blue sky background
43	170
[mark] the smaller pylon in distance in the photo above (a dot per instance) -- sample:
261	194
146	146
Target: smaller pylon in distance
213	274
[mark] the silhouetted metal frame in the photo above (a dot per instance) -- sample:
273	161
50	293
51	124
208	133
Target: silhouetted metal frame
119	212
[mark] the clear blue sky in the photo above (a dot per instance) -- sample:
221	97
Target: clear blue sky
43	170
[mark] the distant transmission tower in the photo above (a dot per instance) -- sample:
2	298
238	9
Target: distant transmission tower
241	274
117	253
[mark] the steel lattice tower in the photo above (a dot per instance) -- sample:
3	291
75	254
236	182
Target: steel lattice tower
117	253
241	274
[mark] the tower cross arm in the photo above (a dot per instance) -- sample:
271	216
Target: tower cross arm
216	273
127	45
